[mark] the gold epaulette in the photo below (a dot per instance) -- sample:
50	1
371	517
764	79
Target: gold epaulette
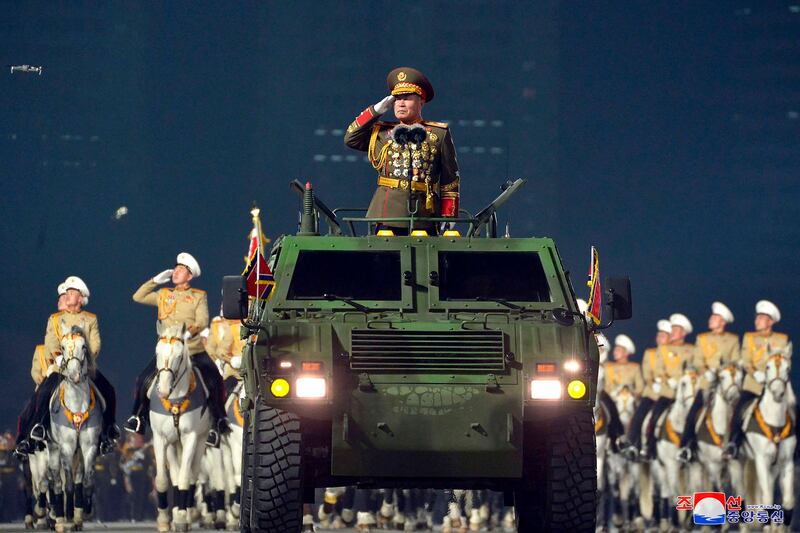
90	315
782	336
57	314
442	125
200	291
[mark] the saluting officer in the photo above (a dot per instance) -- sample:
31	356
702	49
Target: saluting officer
180	305
622	372
414	153
651	368
58	325
714	349
757	346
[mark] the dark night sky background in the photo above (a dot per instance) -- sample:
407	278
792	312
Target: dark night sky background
666	134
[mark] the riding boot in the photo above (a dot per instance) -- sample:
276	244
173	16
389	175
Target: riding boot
216	397
737	432
23	445
658	409
41	410
110	431
635	428
689	435
138	421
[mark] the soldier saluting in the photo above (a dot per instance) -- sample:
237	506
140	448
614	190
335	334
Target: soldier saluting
415	159
182	305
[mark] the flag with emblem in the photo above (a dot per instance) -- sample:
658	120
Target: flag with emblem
260	280
595	295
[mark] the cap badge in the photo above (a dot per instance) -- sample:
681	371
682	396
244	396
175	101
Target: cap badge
401	76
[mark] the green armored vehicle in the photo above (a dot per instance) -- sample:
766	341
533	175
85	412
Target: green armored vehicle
443	361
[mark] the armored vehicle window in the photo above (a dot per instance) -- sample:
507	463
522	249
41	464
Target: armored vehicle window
514	276
355	275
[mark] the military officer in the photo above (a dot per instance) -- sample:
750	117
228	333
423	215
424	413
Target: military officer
755	352
622	372
181	305
76	297
414	153
715	348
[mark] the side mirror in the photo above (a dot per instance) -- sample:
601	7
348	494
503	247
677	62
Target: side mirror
618	298
234	297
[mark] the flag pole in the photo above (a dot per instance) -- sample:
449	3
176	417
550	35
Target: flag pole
255	211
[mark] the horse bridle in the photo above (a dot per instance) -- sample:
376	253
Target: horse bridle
166	367
778	362
71	354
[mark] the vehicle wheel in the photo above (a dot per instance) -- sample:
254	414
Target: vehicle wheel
247	474
273	499
561	470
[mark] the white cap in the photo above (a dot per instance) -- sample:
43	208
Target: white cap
765	307
204	333
679	319
719	308
625	342
74	282
62	290
189	262
602	346
664	326
582	305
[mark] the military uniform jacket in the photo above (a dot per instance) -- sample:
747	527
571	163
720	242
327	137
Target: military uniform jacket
713	351
60	323
437	161
224	341
756	349
178	307
649	369
39	365
670	364
620	374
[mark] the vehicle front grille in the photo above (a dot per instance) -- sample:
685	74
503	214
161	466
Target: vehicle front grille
373	349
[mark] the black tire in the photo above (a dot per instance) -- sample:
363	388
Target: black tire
247	474
272	495
561	470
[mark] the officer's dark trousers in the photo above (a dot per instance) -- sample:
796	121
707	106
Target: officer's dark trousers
615	427
211	377
635	429
25	417
736	421
658	409
689	432
48	387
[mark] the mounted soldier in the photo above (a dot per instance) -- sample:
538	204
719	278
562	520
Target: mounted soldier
715	348
186	306
415	159
59	324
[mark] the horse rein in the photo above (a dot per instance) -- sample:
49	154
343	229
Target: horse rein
166	368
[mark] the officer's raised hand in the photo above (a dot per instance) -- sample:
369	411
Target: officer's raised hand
163	277
384	105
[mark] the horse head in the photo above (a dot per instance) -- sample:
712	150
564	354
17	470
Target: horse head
687	387
74	354
777	372
729	381
625	401
171	358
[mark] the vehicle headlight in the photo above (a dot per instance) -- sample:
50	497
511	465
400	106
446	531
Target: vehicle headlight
576	389
546	389
310	387
279	388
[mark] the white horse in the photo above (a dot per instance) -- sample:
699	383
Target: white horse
601	418
232	449
38	461
713	422
668	473
623	473
75	424
770	439
180	422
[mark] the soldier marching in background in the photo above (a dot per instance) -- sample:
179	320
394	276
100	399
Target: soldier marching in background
413	153
714	349
185	306
58	325
757	346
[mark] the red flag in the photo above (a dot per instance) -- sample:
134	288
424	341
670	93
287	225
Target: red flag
595	301
260	280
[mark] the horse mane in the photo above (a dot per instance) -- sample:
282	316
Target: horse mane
77	329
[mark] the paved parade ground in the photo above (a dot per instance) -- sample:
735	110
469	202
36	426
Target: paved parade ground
129	527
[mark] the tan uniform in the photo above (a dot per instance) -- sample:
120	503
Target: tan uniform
178	307
649	369
670	364
713	351
40	364
224	342
756	350
438	177
621	374
60	323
